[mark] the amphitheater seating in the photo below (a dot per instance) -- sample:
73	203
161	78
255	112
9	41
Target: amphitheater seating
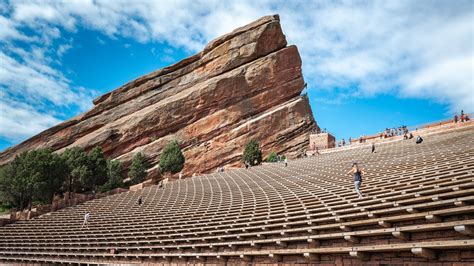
417	206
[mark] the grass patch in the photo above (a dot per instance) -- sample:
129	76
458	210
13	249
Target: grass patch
4	209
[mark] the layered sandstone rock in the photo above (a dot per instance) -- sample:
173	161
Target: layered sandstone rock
243	85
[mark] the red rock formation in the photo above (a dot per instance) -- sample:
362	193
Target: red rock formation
243	85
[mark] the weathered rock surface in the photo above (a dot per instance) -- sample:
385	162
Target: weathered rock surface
243	85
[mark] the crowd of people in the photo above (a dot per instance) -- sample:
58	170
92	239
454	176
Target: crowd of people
393	132
317	131
387	133
461	118
342	143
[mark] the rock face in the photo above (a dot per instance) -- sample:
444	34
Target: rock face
243	85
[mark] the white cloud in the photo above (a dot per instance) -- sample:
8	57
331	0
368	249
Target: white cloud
454	73
19	119
34	94
375	45
62	49
411	49
408	48
8	30
35	82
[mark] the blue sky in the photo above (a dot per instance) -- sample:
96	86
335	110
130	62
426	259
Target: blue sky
368	65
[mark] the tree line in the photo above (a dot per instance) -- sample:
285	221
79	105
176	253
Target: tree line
36	176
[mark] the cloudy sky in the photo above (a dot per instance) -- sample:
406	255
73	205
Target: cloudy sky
368	64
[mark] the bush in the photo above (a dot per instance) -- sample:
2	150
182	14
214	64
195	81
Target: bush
137	172
252	153
4	208
272	158
172	159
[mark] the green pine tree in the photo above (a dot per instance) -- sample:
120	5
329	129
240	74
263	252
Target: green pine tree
137	172
98	167
80	173
172	159
114	175
252	153
32	176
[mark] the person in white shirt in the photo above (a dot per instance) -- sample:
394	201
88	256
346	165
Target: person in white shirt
87	216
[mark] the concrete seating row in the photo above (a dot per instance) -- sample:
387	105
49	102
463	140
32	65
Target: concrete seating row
417	198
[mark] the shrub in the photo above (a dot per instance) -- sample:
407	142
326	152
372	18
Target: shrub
172	159
4	208
137	172
272	158
252	153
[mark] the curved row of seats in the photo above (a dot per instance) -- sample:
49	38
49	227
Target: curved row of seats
417	204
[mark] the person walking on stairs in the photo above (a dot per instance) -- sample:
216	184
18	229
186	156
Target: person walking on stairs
87	216
140	201
373	148
358	174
